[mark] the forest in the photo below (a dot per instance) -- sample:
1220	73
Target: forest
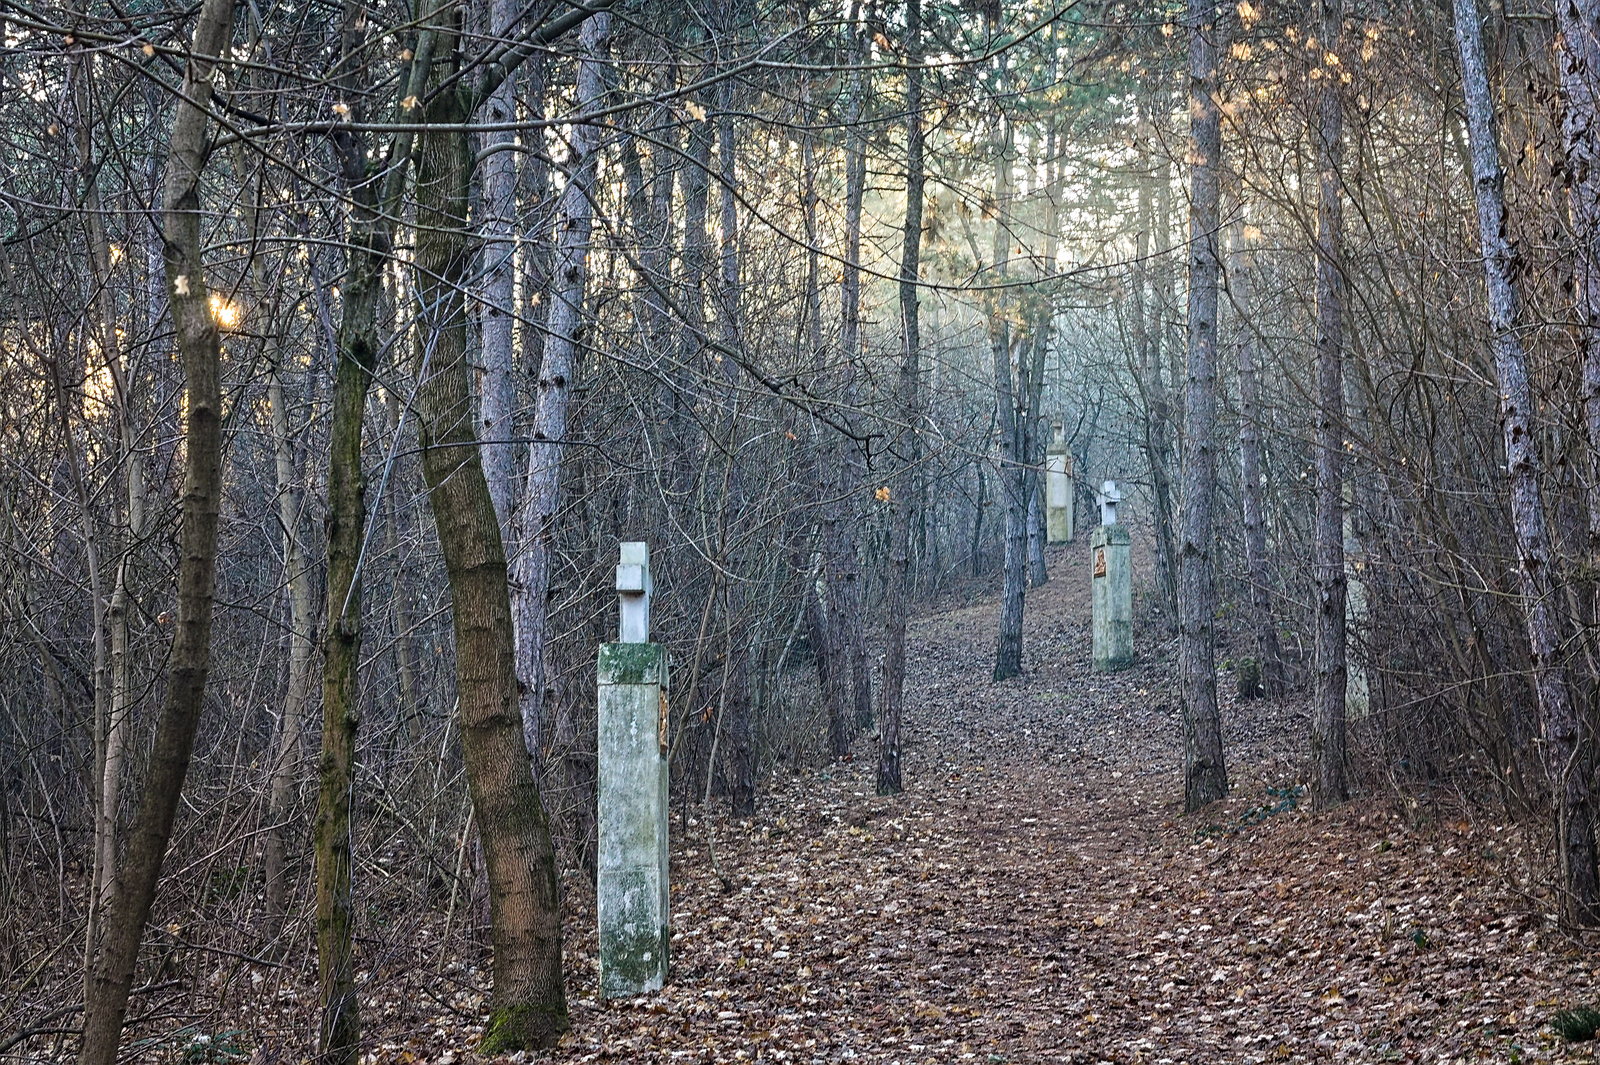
343	342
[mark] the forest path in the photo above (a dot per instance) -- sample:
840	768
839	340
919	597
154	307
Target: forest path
1036	895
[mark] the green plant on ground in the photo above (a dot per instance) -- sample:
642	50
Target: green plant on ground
1578	1024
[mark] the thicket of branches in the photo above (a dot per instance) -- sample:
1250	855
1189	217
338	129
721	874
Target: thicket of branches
681	262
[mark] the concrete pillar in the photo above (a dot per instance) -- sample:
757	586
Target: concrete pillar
1112	588
631	882
1058	494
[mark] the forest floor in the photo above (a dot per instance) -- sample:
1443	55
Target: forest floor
1036	895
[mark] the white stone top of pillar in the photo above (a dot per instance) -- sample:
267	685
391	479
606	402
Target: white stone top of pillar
1110	496
634	586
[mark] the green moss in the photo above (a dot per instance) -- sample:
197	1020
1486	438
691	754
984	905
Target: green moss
630	663
524	1026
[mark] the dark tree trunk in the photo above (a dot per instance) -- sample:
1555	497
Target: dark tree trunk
1328	724
908	447
1205	777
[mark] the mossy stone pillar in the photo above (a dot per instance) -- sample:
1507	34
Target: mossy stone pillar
631	881
1112	599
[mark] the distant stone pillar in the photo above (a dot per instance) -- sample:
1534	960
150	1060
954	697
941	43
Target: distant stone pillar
631	881
1112	599
1058	494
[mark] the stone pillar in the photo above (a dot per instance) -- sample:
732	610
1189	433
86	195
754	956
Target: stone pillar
1112	589
631	882
1058	494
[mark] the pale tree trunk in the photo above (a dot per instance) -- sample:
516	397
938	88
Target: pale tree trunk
1043	334
302	646
1328	723
1568	762
1578	25
844	548
563	338
497	200
199	348
1205	777
1252	513
907	451
113	673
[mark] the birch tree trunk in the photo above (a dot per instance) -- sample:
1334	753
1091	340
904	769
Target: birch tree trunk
1578	26
564	326
199	348
1328	723
497	184
907	450
1205	777
1567	758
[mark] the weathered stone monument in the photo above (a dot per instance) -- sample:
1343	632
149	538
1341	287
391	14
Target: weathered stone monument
631	882
1058	494
1112	588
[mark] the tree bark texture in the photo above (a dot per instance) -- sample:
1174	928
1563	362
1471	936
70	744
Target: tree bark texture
1578	26
199	348
563	337
1567	758
1205	777
528	998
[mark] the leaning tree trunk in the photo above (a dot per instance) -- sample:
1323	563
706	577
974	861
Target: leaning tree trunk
1328	724
200	349
528	999
1205	777
902	494
1568	762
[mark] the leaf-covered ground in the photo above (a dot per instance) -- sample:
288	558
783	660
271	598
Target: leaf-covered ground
1034	896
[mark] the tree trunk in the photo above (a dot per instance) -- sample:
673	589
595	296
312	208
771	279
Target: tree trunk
1252	512
1205	777
845	547
1578	25
1568	761
907	451
1156	438
1328	724
497	200
528	999
563	336
199	348
1009	383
